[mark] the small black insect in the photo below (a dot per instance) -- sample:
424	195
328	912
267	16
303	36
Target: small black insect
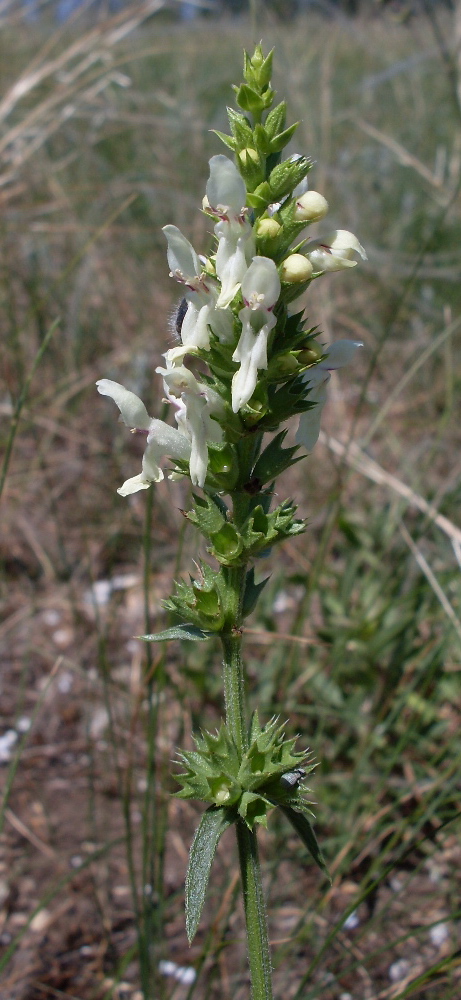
179	315
292	779
253	486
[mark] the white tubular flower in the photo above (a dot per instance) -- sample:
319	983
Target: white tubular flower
195	327
260	289
226	197
200	293
162	440
236	247
194	404
335	251
317	379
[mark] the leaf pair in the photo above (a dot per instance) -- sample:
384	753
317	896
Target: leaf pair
213	824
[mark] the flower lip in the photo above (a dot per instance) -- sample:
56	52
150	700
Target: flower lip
225	190
261	284
183	261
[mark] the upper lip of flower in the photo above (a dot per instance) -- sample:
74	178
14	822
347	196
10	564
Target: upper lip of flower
225	190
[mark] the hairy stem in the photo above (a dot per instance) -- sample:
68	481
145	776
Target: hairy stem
255	914
234	694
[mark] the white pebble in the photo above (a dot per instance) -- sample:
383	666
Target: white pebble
51	617
40	921
182	973
398	970
99	722
7	742
63	637
65	682
439	933
352	921
23	724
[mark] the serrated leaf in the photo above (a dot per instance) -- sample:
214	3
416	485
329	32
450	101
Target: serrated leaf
207	514
252	592
275	459
305	831
212	825
190	632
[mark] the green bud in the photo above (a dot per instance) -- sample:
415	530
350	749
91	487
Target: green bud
250	167
296	269
248	157
268	229
310	355
227	544
249	99
283	364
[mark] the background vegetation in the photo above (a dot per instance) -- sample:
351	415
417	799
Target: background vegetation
105	132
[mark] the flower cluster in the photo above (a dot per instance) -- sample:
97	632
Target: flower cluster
237	310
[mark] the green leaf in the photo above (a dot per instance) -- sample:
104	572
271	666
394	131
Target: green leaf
240	128
275	120
263	143
287	175
282	139
304	829
252	592
275	459
212	825
207	514
226	139
178	632
249	99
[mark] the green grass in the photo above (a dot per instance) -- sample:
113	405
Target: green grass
362	653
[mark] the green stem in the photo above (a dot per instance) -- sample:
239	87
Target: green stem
233	676
255	914
234	694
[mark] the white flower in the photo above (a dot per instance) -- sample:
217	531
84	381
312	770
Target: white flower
235	249
317	379
335	251
162	440
195	404
225	190
260	290
201	294
226	197
261	284
183	260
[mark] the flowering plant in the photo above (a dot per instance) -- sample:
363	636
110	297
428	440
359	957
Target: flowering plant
263	366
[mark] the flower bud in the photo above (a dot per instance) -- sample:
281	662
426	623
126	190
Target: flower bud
296	268
248	156
309	356
268	229
310	207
